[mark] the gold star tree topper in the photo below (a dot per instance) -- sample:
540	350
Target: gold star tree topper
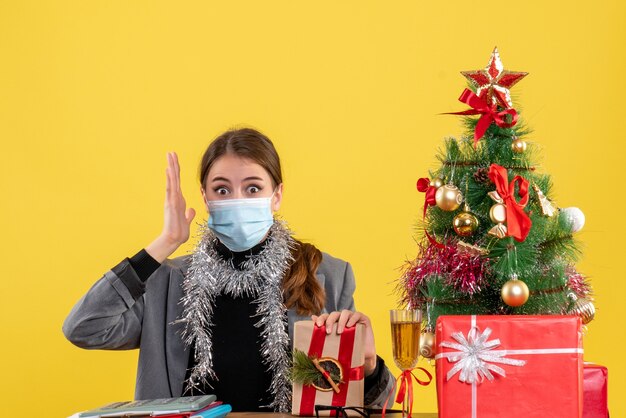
493	83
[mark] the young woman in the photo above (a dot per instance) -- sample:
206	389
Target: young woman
221	319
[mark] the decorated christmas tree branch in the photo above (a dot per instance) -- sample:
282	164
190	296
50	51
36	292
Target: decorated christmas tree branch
562	246
490	238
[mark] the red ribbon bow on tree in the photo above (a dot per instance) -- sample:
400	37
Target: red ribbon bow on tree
489	113
517	221
423	185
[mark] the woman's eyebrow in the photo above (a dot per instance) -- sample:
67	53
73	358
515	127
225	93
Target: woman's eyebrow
214	179
252	178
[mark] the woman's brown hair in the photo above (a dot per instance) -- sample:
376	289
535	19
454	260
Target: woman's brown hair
301	288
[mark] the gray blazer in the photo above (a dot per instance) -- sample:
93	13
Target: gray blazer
120	312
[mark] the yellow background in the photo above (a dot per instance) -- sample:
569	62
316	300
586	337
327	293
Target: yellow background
94	93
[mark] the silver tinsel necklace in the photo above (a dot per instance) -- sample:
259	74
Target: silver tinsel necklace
260	276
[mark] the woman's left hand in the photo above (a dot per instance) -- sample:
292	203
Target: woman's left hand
348	318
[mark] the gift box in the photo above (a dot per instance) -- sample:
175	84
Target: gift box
514	366
595	401
345	350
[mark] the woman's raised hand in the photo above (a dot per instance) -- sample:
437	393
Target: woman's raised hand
177	218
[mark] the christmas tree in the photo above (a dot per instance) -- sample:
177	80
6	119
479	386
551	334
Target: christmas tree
491	239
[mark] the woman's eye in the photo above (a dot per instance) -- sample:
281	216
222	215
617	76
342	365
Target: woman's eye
254	189
222	191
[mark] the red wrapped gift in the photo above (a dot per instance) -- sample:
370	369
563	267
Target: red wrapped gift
347	349
595	402
514	366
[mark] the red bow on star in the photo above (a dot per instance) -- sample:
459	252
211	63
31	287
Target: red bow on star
489	113
518	223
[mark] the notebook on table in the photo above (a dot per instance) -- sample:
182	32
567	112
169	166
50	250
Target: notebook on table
151	407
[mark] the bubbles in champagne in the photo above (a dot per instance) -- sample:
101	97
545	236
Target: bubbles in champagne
406	343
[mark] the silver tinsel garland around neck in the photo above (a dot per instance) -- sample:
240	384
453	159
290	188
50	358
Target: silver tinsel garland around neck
260	277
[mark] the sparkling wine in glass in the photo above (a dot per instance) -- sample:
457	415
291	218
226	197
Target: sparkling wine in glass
405	334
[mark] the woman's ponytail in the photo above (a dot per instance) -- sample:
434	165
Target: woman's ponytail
302	289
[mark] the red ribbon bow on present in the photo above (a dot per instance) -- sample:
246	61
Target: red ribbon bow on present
517	221
423	185
489	113
406	384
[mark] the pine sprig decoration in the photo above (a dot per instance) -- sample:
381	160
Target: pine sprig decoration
304	371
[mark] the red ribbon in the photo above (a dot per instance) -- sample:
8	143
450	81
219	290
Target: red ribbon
518	223
407	385
357	373
346	346
423	185
316	347
489	113
433	241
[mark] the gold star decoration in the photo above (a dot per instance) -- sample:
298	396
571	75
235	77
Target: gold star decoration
493	83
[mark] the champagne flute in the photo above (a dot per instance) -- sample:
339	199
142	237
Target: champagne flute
405	333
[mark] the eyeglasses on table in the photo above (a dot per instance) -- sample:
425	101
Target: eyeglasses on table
342	411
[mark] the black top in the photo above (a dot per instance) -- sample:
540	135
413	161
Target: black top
243	379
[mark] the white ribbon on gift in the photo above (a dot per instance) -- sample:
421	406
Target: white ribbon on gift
476	355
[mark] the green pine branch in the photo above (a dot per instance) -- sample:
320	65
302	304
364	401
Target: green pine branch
304	371
541	260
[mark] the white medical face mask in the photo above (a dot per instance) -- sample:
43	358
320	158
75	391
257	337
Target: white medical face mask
240	224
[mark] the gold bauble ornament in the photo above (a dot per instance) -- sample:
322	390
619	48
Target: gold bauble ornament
465	224
427	345
518	146
448	197
514	292
436	182
584	308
